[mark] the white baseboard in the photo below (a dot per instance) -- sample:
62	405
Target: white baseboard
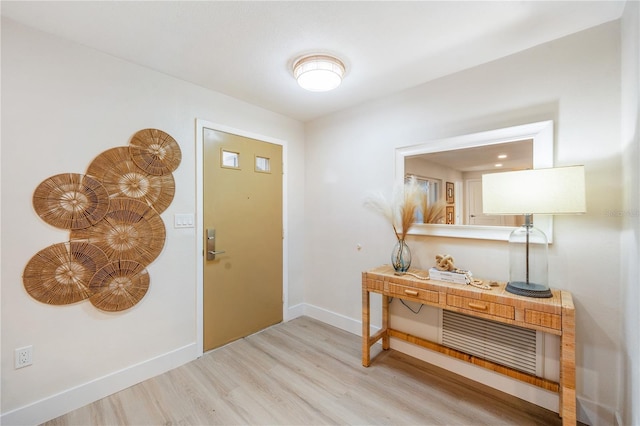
71	399
592	413
618	419
525	391
294	312
337	320
79	396
588	412
49	408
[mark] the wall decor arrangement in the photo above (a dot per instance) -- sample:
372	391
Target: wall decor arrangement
115	230
450	193
449	215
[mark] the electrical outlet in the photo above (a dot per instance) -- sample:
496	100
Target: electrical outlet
24	356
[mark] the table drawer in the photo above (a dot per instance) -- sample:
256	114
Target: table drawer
475	305
543	319
375	285
429	296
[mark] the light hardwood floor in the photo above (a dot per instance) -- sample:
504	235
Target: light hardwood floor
304	372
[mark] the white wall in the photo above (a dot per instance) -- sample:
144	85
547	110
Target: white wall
574	81
62	105
629	404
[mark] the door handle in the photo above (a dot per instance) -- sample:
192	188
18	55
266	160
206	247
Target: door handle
211	245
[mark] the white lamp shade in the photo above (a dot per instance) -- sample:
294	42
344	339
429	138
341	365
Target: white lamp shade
542	191
318	73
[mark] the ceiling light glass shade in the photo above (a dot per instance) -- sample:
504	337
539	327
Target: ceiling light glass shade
318	73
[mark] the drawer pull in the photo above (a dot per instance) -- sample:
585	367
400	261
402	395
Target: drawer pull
411	292
477	306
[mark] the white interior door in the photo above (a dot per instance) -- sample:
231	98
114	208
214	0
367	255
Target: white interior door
475	214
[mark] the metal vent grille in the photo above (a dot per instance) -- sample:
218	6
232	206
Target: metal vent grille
503	344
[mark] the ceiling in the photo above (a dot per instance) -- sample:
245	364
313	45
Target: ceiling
518	155
246	49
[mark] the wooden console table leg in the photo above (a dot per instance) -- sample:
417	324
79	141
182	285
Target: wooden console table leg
568	362
366	359
385	322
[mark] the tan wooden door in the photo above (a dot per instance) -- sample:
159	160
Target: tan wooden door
242	287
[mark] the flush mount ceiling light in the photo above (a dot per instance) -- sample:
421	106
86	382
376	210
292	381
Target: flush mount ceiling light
318	73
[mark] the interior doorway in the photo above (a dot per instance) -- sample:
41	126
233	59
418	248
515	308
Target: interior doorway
475	214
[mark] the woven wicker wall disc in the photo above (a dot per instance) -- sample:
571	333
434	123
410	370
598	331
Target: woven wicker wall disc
71	201
155	151
60	274
115	169
119	285
131	230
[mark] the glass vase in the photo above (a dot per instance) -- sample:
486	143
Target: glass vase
401	257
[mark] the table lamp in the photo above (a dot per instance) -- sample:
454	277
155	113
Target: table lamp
558	190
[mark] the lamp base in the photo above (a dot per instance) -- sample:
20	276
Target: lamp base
528	289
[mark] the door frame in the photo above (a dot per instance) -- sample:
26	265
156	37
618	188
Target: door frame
199	223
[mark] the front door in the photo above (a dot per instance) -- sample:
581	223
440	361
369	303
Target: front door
242	203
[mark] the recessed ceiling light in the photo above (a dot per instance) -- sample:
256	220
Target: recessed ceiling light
502	156
498	165
318	73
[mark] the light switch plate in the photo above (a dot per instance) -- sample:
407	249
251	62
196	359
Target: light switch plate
183	220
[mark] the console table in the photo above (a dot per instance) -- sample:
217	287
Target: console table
555	315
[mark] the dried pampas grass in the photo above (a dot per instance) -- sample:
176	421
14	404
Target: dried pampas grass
401	210
432	213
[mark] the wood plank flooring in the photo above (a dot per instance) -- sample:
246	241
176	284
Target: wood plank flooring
304	372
